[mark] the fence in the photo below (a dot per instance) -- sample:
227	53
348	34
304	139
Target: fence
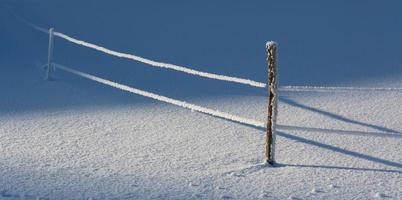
271	86
272	83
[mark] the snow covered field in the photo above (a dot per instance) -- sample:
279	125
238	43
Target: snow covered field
342	144
72	138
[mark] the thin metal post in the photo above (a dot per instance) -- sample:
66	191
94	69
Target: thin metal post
50	54
272	101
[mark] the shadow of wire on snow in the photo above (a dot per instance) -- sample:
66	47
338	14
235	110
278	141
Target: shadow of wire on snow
255	168
337	131
336	116
338	167
334	148
340	150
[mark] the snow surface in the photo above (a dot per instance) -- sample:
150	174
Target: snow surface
72	138
330	145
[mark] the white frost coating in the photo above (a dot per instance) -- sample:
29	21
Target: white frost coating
331	89
269	43
163	98
38	28
161	64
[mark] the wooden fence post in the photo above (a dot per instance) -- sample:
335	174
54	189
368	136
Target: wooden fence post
271	48
50	54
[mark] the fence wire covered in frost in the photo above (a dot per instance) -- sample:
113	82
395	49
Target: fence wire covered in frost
162	98
162	65
271	86
156	64
152	63
272	99
181	69
144	60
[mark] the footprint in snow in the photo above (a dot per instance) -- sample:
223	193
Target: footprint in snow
6	195
193	184
264	195
331	186
294	198
316	191
380	195
197	195
130	195
236	174
226	197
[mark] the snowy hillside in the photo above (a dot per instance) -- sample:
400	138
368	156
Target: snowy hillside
73	138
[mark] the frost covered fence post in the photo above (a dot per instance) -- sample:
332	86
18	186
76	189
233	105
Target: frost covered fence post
272	101
50	54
